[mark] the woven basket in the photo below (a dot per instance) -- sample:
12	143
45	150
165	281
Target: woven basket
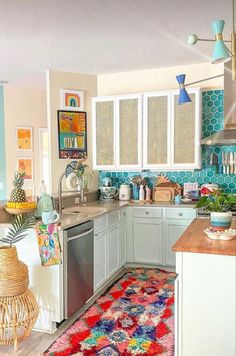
14	278
17	317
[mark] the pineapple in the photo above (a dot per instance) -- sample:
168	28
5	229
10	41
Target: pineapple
18	194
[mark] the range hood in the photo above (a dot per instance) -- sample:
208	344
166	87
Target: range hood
227	136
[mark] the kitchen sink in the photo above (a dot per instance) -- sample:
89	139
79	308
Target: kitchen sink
84	210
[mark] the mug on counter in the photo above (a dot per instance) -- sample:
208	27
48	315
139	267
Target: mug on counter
50	217
178	199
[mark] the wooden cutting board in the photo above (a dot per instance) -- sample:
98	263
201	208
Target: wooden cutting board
163	194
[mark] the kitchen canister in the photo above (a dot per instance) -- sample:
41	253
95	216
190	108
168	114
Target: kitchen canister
124	192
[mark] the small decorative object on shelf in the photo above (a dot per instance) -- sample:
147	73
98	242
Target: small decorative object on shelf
219	204
18	203
18	307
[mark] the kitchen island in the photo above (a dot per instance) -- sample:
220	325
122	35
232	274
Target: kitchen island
205	293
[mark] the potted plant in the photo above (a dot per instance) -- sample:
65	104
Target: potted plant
219	205
14	273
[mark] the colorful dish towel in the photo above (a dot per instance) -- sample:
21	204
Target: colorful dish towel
49	244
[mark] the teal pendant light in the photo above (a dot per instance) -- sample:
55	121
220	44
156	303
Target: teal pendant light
220	53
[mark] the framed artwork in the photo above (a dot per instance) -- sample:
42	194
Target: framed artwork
25	165
72	100
72	134
24	138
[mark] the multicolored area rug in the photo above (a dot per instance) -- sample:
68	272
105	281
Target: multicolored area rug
136	317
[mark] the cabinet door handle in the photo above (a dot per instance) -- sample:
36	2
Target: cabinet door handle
180	214
147	212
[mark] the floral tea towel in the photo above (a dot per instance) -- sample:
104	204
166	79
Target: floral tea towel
49	244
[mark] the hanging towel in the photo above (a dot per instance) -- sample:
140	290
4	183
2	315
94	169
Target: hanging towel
49	244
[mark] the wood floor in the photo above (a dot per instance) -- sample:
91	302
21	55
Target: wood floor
38	342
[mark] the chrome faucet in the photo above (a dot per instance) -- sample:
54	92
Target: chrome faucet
60	191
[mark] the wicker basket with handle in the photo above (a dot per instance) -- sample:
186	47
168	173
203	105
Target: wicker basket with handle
14	279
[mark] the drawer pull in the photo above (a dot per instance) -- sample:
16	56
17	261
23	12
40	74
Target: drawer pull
147	212
180	214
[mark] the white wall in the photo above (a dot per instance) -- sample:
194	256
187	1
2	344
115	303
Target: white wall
65	80
23	107
158	79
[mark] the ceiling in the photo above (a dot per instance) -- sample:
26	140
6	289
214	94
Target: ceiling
103	36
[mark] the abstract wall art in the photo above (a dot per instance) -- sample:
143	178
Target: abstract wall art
72	134
24	139
25	164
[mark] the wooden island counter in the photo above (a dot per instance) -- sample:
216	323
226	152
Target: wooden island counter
205	294
195	240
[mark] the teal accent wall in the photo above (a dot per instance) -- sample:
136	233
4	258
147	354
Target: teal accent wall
212	121
3	183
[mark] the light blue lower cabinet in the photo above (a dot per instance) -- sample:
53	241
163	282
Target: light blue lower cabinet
148	240
173	229
100	259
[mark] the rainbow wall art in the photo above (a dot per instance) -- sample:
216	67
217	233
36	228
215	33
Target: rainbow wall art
72	99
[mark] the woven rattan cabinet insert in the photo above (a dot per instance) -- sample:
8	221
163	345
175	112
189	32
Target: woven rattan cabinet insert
186	132
103	133
156	130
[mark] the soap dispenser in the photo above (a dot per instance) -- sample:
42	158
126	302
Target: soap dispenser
45	202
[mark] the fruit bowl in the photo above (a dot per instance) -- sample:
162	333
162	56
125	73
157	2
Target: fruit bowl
19	210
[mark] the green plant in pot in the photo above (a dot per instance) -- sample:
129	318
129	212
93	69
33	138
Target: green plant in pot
18	279
219	205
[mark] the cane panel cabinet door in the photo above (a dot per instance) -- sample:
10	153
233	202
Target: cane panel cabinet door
129	131
103	133
186	132
156	130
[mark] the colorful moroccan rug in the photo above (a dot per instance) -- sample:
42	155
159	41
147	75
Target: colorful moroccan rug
136	317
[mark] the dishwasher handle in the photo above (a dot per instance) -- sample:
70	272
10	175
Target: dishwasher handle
80	235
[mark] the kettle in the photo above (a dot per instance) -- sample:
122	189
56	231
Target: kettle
45	203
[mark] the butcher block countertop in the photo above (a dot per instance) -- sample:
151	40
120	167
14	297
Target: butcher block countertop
195	240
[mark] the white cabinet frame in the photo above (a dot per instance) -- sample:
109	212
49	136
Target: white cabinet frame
94	132
197	142
129	167
143	132
146	96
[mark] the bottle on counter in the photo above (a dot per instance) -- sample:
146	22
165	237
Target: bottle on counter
141	192
148	193
135	192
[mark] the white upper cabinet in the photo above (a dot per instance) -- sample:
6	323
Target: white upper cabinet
147	131
129	132
156	130
186	132
104	133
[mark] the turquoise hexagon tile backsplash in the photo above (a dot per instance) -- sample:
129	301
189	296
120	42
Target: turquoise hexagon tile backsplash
212	121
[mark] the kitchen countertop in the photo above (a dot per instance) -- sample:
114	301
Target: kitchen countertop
69	220
195	240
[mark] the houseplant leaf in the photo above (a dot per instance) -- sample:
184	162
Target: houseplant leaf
20	224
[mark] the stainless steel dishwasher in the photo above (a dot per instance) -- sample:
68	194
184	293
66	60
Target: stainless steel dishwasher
78	266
